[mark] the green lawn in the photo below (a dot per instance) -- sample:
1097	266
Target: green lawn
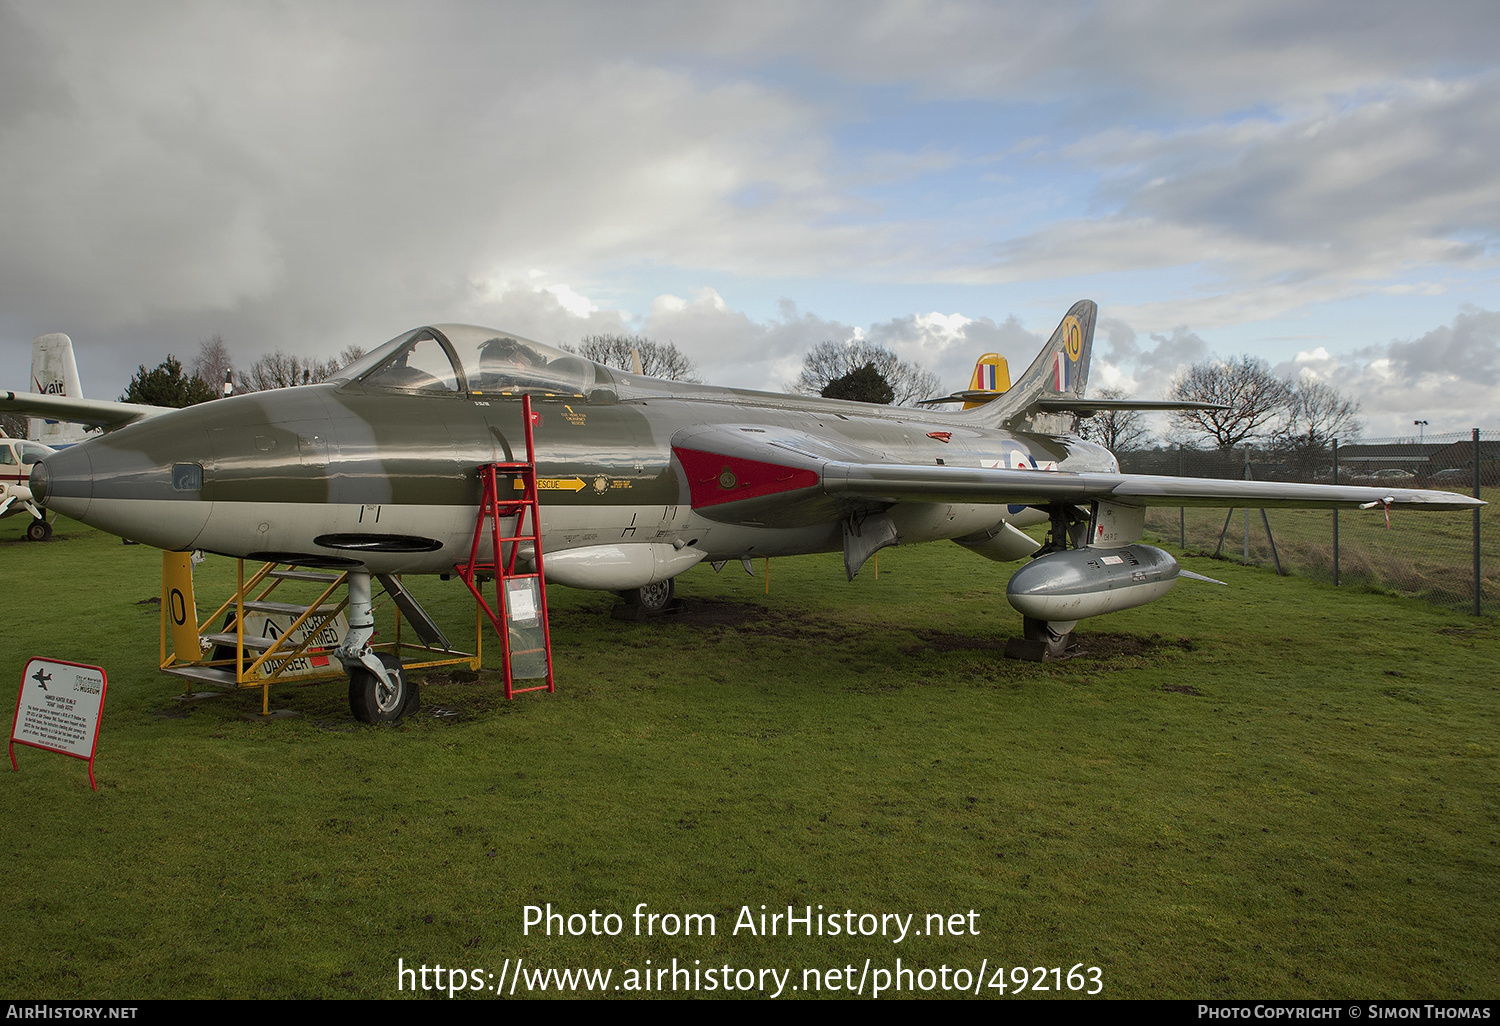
1271	789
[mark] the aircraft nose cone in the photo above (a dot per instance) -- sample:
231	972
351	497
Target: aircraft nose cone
64	482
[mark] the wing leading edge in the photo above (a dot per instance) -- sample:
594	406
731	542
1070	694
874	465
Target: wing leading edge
734	472
899	483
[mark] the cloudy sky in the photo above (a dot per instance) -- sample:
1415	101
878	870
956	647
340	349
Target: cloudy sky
1315	184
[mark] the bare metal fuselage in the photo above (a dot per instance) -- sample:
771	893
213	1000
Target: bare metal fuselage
343	475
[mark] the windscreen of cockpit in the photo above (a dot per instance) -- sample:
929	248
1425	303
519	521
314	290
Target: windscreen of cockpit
499	362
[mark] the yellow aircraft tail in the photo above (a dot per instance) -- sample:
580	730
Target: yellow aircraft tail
991	374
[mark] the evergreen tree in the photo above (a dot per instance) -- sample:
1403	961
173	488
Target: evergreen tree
167	385
863	384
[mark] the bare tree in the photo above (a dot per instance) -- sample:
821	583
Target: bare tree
658	359
1116	430
283	370
13	425
1317	415
1255	399
831	360
213	362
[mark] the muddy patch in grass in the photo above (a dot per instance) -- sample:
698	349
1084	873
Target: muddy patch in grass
1113	646
1092	644
716	617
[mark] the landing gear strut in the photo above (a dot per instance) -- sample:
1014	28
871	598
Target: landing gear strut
379	691
1055	638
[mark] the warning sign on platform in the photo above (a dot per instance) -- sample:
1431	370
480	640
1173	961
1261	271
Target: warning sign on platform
58	709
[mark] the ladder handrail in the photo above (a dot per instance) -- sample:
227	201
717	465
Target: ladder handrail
492	509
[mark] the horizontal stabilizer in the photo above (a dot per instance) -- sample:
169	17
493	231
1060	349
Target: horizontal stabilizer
975	396
1089	407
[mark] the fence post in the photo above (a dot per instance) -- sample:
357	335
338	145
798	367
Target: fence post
1181	510
1335	516
1477	580
1247	509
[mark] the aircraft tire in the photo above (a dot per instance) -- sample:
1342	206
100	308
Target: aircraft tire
1038	630
38	530
653	598
365	697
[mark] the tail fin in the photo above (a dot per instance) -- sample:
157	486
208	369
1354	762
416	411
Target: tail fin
54	371
991	374
1061	369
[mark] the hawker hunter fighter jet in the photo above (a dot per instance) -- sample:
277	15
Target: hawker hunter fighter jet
376	471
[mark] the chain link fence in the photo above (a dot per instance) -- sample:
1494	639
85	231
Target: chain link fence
1441	557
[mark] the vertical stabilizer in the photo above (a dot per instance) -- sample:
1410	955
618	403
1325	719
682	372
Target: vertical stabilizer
991	374
1060	369
54	371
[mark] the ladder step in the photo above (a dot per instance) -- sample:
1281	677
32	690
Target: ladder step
286	608
214	675
316	576
228	639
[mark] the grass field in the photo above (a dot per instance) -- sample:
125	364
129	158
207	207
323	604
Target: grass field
1275	789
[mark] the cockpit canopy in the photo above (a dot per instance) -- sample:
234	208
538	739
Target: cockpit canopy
455	359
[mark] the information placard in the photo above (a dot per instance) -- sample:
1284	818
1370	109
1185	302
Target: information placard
58	709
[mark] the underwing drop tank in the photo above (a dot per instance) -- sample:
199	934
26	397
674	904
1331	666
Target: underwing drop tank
1068	586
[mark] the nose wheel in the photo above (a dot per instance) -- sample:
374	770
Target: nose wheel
38	531
373	700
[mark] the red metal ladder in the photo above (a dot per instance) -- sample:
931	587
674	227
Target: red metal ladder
520	598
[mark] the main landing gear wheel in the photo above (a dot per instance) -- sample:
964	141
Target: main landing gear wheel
653	598
372	701
1040	630
38	530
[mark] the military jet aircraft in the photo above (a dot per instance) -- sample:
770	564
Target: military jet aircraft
376	471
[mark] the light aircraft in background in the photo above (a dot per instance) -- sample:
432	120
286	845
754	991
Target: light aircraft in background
17	457
376	472
63	418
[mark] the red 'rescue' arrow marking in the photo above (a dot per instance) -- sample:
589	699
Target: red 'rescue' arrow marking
941	436
714	479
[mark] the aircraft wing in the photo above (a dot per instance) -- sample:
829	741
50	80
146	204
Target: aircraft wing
900	483
779	477
94	412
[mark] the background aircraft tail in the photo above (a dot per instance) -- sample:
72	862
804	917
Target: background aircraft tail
991	374
1060	370
54	371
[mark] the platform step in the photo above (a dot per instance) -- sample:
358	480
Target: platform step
215	675
315	576
228	639
287	608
